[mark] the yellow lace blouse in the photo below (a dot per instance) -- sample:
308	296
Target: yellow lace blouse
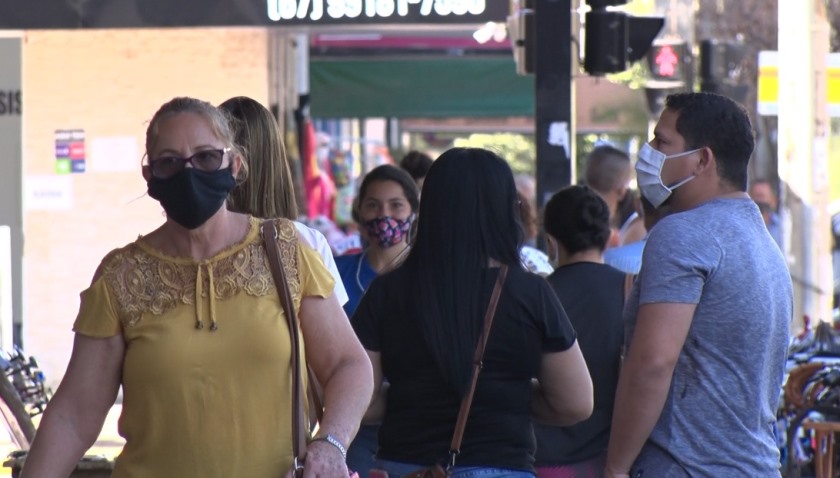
206	375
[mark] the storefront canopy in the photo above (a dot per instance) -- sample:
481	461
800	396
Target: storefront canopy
419	88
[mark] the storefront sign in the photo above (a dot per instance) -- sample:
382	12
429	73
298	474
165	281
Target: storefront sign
384	11
10	103
195	13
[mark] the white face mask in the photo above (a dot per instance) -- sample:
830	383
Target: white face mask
649	174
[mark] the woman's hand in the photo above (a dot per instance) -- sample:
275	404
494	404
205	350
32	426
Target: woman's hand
323	460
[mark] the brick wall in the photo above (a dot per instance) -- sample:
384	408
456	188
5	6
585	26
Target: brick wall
108	83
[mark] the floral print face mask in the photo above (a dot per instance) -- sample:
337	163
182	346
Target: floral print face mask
387	231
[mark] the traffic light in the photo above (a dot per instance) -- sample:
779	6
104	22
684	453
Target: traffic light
523	38
613	38
669	61
720	68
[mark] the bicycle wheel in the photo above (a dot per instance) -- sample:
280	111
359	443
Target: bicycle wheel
15	417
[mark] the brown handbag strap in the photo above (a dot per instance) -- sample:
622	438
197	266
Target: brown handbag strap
272	250
466	402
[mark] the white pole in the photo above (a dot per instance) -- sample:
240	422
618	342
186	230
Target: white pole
802	149
302	63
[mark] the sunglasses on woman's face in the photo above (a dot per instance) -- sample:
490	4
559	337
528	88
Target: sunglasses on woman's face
208	160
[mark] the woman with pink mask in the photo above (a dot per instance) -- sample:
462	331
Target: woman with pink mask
384	209
386	205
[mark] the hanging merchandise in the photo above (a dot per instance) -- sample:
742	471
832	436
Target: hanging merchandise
341	167
320	190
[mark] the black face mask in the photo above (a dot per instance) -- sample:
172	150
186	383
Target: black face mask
192	196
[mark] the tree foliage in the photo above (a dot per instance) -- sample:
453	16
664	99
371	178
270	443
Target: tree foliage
518	150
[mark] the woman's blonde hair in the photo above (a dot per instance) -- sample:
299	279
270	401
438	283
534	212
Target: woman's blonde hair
219	122
268	191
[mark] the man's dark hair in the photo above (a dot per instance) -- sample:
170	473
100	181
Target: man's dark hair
417	164
707	119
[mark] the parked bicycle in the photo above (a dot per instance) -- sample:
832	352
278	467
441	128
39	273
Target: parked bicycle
23	395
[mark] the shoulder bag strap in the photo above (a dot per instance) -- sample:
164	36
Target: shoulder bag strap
269	233
466	402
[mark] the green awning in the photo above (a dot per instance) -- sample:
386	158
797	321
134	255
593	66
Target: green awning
419	88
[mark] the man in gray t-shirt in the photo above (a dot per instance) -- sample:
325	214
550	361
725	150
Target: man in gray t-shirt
708	321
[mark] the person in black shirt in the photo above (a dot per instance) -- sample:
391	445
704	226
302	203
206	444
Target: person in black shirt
577	226
420	324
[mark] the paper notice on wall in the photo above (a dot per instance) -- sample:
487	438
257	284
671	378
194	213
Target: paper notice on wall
114	154
48	193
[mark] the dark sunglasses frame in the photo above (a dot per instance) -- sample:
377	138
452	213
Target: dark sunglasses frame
184	161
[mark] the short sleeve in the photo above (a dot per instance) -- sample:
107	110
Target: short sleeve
318	242
365	322
97	316
559	335
315	279
678	258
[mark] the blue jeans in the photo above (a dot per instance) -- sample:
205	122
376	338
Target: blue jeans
397	469
654	462
361	455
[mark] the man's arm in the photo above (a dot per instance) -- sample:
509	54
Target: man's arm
645	379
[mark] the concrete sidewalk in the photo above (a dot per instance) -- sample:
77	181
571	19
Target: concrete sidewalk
109	443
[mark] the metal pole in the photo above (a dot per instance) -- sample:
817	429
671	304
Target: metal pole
555	132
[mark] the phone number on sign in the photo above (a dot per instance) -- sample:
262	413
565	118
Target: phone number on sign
314	10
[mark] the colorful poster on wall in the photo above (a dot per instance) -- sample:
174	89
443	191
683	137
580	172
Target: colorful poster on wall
69	151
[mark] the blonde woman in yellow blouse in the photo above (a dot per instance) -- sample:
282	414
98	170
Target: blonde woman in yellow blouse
187	320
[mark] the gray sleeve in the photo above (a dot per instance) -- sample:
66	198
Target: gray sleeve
678	258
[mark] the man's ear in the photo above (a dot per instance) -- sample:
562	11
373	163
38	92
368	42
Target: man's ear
707	161
147	172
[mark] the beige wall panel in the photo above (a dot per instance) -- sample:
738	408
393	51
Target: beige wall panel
108	83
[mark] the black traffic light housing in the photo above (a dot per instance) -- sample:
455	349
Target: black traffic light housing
614	38
720	68
522	31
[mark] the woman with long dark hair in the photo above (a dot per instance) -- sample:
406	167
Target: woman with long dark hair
420	324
